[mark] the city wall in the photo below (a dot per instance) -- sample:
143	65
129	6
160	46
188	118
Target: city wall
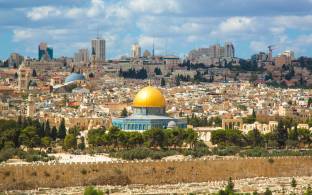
33	176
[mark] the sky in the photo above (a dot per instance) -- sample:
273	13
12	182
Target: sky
175	26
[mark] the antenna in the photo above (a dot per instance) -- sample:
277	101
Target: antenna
97	33
166	47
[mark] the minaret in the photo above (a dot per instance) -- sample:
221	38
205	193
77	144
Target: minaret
31	108
23	78
93	68
153	49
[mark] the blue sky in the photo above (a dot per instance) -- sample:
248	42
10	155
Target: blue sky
176	26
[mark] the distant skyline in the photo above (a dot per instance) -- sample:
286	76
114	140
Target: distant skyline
176	26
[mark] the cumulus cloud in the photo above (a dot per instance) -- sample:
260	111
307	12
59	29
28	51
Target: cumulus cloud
39	13
155	6
236	24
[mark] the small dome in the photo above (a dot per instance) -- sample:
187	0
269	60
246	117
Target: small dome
149	97
172	125
74	77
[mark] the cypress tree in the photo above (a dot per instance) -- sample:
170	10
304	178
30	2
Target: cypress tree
47	129
62	130
54	133
162	82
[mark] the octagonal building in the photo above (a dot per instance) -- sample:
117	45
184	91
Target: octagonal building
149	111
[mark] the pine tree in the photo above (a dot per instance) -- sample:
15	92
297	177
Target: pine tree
293	183
124	113
54	133
62	130
177	81
40	130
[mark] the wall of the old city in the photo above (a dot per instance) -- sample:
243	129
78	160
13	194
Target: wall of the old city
149	172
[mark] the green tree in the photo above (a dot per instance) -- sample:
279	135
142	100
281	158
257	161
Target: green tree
61	130
268	192
228	137
54	133
157	71
229	189
254	138
154	137
304	136
136	139
70	142
82	144
47	129
92	191
191	137
123	139
293	183
308	191
124	113
281	134
309	101
179	135
96	137
162	82
112	136
177	81
218	137
29	137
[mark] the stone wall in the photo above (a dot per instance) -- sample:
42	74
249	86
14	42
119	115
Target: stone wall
149	172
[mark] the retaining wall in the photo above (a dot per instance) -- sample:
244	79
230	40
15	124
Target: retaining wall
36	175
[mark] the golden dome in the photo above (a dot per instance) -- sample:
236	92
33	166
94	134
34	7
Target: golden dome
149	97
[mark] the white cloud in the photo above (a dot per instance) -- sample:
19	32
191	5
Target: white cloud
19	35
39	13
155	6
97	6
277	30
30	34
236	24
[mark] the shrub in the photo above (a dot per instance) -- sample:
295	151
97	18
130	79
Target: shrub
83	172
226	151
7	173
7	153
142	153
271	160
34	173
255	152
46	174
92	191
197	151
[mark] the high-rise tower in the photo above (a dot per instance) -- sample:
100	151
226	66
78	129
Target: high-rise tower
98	46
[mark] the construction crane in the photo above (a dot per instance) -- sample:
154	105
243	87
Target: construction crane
271	48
